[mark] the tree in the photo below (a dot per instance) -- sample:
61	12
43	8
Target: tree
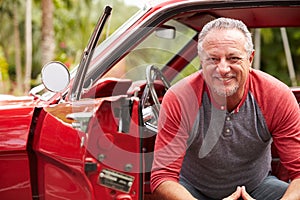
17	42
48	40
28	41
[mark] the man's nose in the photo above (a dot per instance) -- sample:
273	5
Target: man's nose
223	66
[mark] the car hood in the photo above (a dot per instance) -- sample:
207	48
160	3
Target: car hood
15	119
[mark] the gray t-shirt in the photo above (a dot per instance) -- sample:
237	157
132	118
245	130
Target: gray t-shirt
226	150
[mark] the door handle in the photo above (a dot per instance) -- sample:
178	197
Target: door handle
81	120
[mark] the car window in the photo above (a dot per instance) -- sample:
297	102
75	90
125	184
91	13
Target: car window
154	50
158	51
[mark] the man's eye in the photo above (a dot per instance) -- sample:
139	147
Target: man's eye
212	60
234	59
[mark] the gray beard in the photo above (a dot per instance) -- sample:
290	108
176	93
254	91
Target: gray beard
225	93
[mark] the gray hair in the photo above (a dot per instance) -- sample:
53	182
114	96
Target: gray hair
226	23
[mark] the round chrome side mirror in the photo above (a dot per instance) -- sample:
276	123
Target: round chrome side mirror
55	76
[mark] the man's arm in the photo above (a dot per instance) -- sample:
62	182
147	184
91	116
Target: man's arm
171	190
293	191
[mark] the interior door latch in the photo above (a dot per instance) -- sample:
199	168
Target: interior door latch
81	120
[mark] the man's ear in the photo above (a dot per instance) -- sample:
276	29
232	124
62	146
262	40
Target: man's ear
251	57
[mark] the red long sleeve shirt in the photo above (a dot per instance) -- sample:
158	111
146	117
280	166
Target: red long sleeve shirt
275	101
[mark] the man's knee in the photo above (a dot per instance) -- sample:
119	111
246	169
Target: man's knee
270	189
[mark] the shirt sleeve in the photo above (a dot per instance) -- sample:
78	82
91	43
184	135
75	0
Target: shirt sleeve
178	112
282	114
169	144
286	134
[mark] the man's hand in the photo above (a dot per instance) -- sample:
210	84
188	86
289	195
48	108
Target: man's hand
240	192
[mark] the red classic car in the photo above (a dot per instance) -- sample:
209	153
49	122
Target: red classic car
91	135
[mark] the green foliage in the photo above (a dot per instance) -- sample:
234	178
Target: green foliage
3	66
273	58
74	21
294	36
4	76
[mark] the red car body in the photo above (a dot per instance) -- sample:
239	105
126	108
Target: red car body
98	146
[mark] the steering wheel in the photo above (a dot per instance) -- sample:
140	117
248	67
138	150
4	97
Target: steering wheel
152	74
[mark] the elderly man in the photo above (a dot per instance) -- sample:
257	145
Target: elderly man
217	125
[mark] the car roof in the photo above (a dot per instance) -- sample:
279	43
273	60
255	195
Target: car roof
254	13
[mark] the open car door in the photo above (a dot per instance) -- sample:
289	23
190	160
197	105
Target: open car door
89	145
90	149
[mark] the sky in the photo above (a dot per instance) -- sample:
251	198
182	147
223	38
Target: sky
138	3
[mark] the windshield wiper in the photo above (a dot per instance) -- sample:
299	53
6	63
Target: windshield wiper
87	55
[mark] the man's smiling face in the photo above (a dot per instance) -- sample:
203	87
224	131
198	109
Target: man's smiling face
225	62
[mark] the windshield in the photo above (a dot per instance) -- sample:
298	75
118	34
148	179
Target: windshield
94	54
154	50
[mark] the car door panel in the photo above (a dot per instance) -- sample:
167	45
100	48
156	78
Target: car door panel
87	159
114	144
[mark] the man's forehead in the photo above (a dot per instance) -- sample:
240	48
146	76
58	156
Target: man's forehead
221	34
217	38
